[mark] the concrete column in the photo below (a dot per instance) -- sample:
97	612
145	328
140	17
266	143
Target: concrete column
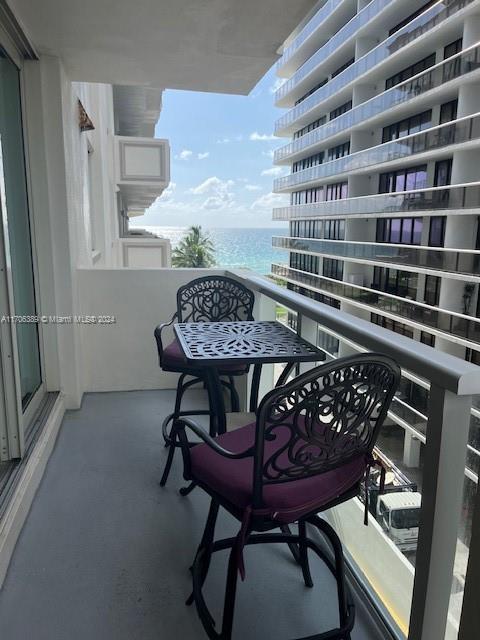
363	92
411	450
471	30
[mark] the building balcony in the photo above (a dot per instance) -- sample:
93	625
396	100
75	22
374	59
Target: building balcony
306	42
463	67
461	264
310	72
414	147
464	199
417	30
105	551
415	314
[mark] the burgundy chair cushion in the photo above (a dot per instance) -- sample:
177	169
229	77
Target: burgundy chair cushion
173	358
233	479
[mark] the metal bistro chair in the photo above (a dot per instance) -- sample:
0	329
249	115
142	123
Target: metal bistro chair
206	299
309	450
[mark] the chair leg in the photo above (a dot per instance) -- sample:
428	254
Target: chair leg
230	595
303	550
176	410
168	464
234	399
205	545
345	608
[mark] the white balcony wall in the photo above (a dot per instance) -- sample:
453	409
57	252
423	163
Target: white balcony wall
123	356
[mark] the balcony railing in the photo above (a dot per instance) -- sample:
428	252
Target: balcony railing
459	131
457	66
415	600
412	258
449	324
463	198
340	38
311	26
418	27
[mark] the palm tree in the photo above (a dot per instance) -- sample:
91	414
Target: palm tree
194	250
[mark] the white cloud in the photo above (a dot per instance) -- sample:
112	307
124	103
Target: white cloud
273	171
184	154
212	185
167	195
268	201
276	85
261	137
223	140
218	191
253	187
268	153
202	156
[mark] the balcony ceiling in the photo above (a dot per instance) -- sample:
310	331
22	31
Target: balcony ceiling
205	45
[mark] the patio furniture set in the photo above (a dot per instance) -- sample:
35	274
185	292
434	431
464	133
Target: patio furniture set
303	448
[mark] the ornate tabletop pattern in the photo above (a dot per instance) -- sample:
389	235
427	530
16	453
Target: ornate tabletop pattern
248	342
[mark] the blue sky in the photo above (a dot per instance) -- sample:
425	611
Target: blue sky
221	159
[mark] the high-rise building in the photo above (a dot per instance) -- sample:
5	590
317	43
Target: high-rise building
382	102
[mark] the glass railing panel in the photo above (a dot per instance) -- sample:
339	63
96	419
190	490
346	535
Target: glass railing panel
415	29
438	199
462	64
337	40
308	29
461	327
448	260
462	130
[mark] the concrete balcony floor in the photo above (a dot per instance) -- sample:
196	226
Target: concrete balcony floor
105	551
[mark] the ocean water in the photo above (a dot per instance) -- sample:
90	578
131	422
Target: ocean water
236	248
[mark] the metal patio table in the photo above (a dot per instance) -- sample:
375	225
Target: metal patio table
210	345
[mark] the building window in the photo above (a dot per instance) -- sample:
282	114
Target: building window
307	196
309	127
448	111
334	230
343	67
339	151
432	290
333	268
395	282
312	90
399	230
452	48
427	338
472	356
393	325
403	180
443	173
343	108
306	163
411	17
337	191
410	71
304	262
436	236
414	124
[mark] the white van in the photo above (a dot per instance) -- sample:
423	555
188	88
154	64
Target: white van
398	513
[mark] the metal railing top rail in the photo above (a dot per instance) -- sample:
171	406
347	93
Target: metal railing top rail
449	372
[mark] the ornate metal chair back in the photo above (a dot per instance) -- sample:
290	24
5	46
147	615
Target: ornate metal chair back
214	299
322	419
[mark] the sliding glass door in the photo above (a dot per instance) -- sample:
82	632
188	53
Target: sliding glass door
17	240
